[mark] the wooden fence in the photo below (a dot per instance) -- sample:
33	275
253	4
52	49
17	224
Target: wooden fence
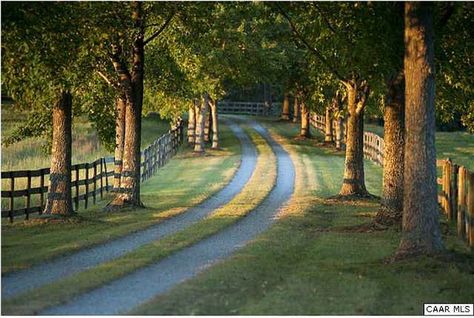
373	143
457	197
248	108
88	180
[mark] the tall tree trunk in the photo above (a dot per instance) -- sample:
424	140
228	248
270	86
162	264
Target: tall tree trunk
354	179
338	115
328	127
391	208
215	124
295	110
120	106
201	113
305	120
420	225
132	84
191	123
285	111
59	195
207	126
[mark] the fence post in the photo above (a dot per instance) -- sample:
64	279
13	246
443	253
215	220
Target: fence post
76	200
447	188
86	197
95	182
461	226
41	191
454	191
102	178
12	198
28	195
106	176
470	207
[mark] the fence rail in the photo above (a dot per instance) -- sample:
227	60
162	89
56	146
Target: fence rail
247	108
88	180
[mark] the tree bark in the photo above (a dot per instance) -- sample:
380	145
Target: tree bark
120	106
420	225
285	111
191	124
207	126
201	113
59	195
354	178
132	85
391	208
328	138
295	110
338	114
215	124
305	120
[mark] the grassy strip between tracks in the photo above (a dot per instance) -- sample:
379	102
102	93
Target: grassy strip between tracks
171	191
260	184
313	262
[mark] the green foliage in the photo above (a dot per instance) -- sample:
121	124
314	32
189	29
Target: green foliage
454	69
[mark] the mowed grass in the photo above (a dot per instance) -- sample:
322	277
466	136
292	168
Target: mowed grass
457	145
313	262
254	192
184	182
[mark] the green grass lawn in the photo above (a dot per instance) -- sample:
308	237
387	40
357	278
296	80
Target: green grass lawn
185	181
312	261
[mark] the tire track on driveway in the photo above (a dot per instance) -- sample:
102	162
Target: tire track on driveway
124	294
21	281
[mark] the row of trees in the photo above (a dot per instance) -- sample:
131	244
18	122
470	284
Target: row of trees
120	60
96	53
372	54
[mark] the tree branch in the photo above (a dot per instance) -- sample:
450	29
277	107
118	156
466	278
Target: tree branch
365	90
163	27
107	80
318	54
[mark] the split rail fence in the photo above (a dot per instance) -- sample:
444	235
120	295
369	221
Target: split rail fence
456	195
248	108
373	143
28	189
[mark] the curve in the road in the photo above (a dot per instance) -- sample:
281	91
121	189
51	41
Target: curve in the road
126	293
21	281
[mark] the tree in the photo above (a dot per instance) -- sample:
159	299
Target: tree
420	228
41	69
59	194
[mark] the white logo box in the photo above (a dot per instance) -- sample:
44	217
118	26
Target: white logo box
448	309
